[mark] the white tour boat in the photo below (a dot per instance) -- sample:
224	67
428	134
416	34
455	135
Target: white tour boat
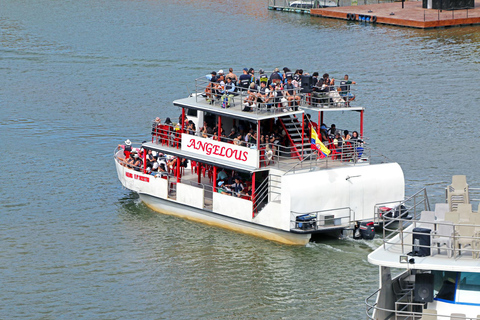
436	256
291	190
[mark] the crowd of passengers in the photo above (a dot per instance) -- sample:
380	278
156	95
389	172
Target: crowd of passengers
277	90
157	164
229	182
273	138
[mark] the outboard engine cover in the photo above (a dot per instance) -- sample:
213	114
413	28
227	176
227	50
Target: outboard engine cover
367	230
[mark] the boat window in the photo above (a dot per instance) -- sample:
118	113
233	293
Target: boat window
468	289
192	113
444	285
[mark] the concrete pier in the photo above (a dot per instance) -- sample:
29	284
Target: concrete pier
412	15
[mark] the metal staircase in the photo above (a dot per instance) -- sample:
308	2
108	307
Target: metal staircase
293	128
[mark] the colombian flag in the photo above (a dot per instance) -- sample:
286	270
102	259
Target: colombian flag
318	145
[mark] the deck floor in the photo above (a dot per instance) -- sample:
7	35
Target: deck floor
413	15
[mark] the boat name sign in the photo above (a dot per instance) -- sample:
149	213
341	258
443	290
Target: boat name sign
220	150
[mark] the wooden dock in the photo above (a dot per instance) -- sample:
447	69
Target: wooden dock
412	15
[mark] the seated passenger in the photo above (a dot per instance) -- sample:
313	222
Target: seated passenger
232	76
287	73
346	135
290	94
332	131
223	189
238	140
222	175
156	126
130	161
275	77
263	93
338	142
219	87
210	86
249	102
248	192
244	80
137	166
236	187
262	77
345	92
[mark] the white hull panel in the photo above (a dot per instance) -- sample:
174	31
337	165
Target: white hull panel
213	219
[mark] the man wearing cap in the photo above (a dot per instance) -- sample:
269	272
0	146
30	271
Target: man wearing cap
244	79
223	189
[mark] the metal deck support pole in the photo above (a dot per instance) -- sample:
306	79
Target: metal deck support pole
259	164
199	169
253	194
214	179
361	124
219	127
178	169
319	124
144	161
183	120
303	132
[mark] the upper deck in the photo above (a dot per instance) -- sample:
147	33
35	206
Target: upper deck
274	128
212	97
447	238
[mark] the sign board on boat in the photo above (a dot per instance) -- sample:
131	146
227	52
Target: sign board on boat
220	150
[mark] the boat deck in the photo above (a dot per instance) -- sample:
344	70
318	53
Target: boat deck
412	15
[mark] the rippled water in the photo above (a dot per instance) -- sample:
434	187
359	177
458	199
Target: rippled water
78	77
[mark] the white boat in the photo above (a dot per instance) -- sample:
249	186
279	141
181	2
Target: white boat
429	266
295	191
307	4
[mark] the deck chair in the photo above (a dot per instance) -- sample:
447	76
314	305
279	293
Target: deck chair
400	293
464	212
427	220
464	237
458	316
443	236
452	216
440	210
457	192
429	314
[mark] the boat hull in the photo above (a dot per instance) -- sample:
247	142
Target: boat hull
194	214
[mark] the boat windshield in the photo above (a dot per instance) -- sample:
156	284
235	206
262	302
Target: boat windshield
457	287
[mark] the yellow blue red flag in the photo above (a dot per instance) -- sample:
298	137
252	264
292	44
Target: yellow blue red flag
318	145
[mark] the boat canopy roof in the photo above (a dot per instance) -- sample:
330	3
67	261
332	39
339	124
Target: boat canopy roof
236	112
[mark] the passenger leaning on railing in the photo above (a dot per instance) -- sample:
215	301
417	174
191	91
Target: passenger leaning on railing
127	148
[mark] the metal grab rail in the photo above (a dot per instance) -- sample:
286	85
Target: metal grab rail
331	96
327	221
371	306
454	238
265	191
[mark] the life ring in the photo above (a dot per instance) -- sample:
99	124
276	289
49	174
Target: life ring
349	16
374	19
